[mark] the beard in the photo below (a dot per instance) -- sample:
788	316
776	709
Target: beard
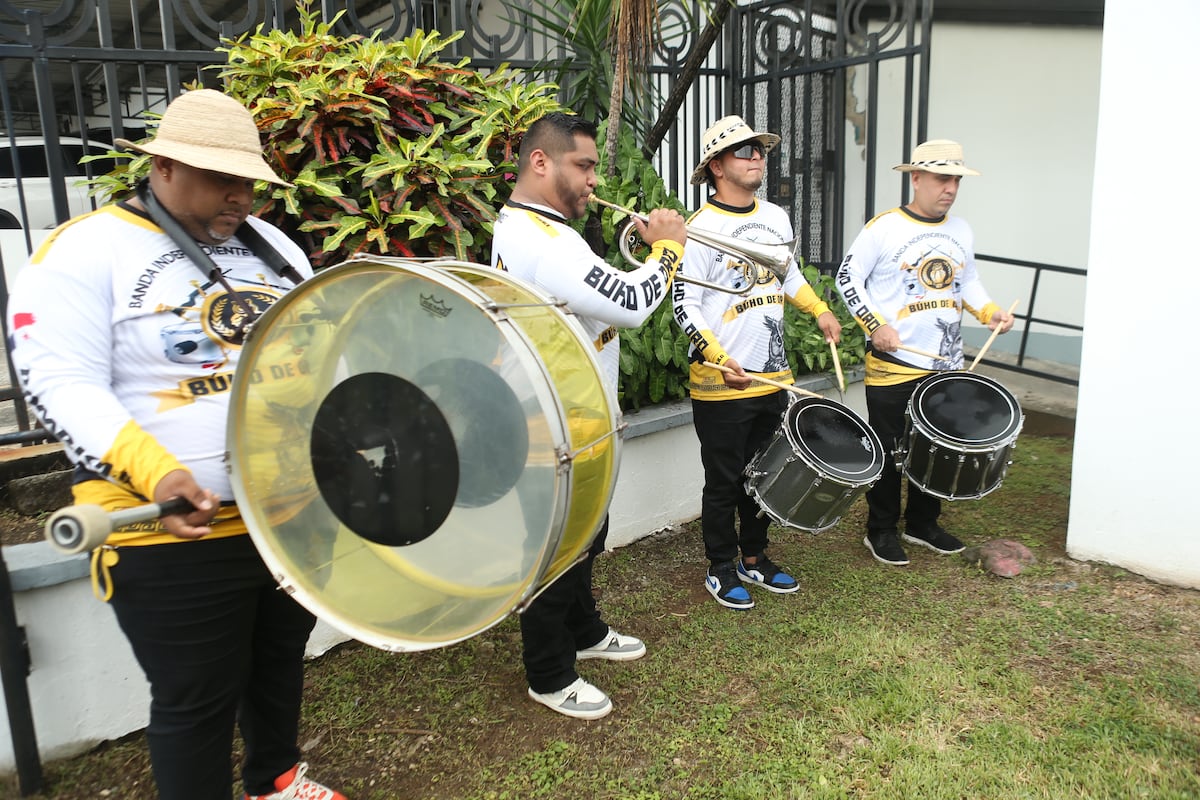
569	199
748	183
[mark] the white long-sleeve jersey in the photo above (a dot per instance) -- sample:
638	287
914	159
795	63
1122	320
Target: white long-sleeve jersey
917	275
126	349
748	328
536	244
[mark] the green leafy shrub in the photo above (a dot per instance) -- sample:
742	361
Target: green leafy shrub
391	150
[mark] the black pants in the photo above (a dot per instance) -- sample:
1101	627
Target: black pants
562	619
885	414
219	642
731	432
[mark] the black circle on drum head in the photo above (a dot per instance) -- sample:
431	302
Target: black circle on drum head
835	438
967	408
384	459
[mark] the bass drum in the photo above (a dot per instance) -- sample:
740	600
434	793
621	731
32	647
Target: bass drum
418	449
960	431
819	461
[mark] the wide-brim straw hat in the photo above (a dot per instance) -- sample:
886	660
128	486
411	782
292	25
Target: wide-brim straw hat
209	130
937	155
723	134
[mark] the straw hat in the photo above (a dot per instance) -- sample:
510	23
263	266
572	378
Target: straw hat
209	130
723	134
937	155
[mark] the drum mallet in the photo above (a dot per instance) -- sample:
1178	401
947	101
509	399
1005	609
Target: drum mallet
77	529
761	379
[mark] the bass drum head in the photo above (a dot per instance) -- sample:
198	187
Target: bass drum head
393	450
966	409
833	439
593	418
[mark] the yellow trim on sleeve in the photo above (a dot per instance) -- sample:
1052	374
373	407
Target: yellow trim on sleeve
806	300
138	459
668	253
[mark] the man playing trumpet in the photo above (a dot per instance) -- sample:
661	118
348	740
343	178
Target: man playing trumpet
556	175
734	415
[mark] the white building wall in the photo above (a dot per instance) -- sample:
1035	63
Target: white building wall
1022	100
1136	435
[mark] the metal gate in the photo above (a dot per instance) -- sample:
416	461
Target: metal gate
794	64
75	74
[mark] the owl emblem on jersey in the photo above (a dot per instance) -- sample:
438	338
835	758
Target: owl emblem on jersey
950	347
932	273
776	356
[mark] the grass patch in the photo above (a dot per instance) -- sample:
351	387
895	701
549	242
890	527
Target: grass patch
932	681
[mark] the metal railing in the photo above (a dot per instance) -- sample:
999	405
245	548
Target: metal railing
1031	317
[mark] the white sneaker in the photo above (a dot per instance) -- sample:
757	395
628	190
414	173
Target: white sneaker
614	647
579	699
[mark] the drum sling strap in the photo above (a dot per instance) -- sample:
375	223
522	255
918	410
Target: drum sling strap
252	239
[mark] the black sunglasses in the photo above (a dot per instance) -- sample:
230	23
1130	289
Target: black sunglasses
747	151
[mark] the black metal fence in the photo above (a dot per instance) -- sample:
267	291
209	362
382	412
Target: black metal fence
75	74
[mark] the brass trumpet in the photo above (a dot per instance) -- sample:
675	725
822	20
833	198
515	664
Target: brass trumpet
775	258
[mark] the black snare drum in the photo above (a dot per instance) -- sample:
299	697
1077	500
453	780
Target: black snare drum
821	459
959	434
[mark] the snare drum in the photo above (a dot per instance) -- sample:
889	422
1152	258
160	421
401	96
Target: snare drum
960	430
821	459
418	449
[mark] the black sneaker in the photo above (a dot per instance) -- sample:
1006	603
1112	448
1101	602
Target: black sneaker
723	584
885	546
935	539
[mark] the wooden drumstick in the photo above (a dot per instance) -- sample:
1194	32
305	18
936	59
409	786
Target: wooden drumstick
919	352
992	338
761	379
837	365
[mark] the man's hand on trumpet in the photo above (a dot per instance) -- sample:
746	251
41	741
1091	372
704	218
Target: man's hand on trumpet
662	224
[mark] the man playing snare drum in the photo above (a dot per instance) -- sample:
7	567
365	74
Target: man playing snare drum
908	277
734	415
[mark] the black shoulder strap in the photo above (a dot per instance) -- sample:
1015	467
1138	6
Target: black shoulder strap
252	239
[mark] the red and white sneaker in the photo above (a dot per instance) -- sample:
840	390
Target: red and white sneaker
292	785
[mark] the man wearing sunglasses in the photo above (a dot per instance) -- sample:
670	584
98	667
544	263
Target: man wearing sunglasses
735	416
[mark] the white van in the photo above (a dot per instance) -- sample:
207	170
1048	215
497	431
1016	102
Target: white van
35	181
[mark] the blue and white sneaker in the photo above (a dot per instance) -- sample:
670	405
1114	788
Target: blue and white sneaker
763	572
722	583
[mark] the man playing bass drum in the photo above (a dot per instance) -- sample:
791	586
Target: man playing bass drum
533	241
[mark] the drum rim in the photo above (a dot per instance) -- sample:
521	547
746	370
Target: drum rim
314	602
872	470
920	421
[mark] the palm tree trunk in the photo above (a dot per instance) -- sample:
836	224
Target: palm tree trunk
687	75
615	103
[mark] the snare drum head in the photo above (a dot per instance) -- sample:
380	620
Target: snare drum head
965	408
834	439
395	451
